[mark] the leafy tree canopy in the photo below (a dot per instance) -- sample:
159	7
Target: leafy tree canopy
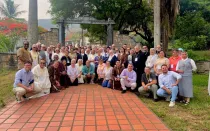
9	9
129	15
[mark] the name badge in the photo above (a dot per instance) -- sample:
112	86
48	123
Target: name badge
150	79
118	76
172	66
136	59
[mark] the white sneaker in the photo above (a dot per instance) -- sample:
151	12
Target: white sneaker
172	104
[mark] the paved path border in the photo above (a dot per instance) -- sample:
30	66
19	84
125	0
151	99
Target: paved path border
82	108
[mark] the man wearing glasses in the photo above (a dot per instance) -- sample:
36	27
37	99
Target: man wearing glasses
23	55
24	83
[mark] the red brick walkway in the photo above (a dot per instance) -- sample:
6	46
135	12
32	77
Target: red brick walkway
83	108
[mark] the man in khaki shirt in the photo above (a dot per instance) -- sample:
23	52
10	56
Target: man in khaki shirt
23	55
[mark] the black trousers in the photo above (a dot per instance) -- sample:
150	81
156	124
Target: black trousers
75	83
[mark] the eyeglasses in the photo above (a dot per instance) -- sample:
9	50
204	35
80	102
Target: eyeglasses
42	63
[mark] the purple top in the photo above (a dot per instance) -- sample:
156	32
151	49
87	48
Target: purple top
131	75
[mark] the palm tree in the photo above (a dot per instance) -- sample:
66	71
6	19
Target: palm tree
9	9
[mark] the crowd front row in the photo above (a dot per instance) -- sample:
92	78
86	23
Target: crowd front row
156	79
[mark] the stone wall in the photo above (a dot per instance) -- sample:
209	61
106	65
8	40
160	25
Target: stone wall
8	60
203	66
50	37
119	40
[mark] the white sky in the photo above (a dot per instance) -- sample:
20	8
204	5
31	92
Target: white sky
43	7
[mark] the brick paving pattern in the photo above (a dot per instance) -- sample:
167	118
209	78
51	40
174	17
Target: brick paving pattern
83	108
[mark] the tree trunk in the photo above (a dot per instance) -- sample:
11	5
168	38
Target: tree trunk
33	22
157	23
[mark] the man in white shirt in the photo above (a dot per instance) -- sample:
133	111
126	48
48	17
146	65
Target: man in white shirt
168	82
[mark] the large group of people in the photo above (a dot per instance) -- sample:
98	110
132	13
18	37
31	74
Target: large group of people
147	72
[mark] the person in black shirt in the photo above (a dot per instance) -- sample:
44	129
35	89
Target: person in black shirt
148	81
66	58
139	59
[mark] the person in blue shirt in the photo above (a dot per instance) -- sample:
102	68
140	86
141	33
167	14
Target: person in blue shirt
168	82
24	83
88	72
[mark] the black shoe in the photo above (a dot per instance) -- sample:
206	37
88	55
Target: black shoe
155	100
123	91
137	93
133	91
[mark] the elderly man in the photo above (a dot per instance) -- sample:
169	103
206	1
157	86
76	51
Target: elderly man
139	60
116	75
148	81
83	56
41	78
128	78
42	54
73	73
48	54
88	72
79	68
54	75
112	58
34	55
23	55
168	82
24	83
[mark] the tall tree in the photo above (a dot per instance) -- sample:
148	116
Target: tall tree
169	11
33	22
9	9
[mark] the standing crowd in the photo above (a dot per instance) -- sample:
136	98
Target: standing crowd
148	72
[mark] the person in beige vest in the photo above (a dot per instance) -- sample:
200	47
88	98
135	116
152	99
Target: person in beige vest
23	55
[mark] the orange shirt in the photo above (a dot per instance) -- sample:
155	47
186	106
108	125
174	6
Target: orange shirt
173	63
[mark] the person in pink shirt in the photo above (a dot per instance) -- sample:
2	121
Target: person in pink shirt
174	60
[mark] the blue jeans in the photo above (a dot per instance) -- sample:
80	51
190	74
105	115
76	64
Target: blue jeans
163	93
106	84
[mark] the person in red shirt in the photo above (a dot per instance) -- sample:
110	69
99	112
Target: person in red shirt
174	60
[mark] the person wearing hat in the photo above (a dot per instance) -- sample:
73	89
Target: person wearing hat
180	51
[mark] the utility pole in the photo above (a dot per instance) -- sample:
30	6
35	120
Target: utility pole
33	22
157	23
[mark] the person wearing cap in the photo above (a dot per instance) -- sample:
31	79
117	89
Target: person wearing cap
180	52
128	79
24	83
23	55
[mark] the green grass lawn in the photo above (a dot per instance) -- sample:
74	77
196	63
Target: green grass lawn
6	86
193	117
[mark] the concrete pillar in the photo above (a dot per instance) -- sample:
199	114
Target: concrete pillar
157	23
33	22
61	33
110	35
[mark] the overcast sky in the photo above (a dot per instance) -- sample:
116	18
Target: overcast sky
43	7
